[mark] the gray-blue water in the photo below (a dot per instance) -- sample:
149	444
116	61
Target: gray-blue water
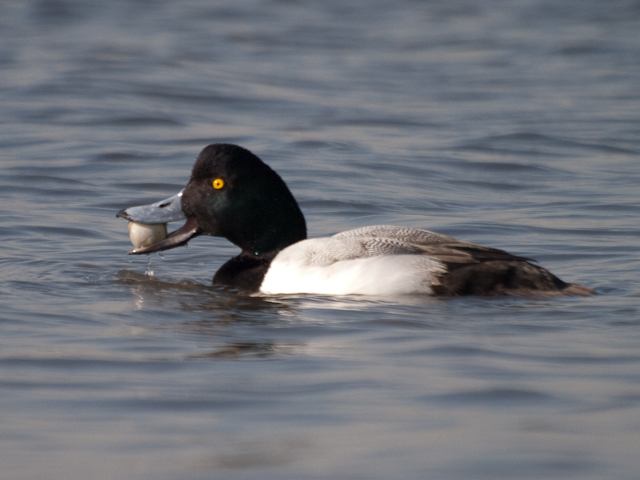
514	124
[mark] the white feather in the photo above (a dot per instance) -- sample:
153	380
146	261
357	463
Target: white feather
370	261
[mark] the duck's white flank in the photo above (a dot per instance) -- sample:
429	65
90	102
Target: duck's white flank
376	260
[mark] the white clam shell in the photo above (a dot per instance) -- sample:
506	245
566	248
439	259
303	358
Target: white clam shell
144	235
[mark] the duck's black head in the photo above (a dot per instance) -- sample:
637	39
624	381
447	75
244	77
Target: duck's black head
233	194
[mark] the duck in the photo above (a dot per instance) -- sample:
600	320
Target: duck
233	194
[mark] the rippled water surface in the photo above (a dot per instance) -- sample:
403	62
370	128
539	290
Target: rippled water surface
515	124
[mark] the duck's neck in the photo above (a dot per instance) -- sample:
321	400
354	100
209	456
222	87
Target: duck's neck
269	247
273	233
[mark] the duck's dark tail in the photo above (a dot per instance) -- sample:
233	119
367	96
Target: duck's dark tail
575	289
503	277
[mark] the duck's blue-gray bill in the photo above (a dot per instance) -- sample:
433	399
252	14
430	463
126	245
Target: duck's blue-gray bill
165	211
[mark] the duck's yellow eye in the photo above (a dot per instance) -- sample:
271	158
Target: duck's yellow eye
218	183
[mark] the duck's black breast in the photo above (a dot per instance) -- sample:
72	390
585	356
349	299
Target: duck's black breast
244	272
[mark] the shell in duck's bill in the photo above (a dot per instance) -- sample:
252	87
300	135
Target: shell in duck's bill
233	194
144	235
